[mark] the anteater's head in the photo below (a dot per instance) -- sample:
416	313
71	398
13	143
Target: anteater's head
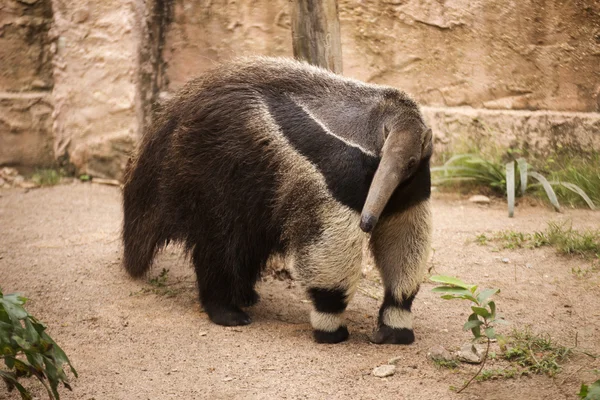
406	142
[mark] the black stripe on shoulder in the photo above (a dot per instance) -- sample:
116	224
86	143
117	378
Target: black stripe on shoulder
348	171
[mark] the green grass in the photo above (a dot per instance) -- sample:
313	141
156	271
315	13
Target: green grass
449	364
565	239
500	373
567	176
160	286
569	241
47	177
581	170
538	354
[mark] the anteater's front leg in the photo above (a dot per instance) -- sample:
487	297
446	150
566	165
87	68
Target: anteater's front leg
400	245
330	268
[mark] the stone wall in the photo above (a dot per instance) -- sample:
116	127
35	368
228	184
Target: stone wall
514	73
96	70
26	82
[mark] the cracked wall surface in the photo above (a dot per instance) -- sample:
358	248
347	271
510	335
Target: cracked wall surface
79	79
531	55
26	81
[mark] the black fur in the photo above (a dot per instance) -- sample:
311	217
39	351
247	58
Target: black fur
388	335
411	192
347	170
390	301
333	301
338	336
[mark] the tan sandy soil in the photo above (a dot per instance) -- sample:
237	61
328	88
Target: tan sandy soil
60	247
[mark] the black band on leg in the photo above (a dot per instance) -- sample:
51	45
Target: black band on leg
328	300
331	337
394	312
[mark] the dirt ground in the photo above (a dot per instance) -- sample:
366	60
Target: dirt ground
60	247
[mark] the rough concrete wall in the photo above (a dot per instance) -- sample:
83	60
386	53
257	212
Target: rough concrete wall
25	83
496	57
96	75
513	54
203	33
531	54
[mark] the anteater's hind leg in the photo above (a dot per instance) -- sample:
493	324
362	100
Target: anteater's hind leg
400	245
217	284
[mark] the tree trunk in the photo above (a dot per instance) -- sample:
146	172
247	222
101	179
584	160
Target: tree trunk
316	33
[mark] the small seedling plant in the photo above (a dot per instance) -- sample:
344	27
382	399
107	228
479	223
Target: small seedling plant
482	320
590	392
27	350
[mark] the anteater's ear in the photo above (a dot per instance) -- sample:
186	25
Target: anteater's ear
427	145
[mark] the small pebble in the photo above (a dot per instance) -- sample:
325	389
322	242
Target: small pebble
439	353
479	199
395	360
384	370
470	354
505	260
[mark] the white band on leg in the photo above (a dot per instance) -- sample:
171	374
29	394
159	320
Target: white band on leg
325	321
397	318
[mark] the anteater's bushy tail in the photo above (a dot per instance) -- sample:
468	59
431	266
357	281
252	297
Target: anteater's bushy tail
144	231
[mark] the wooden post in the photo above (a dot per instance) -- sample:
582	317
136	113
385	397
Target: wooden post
316	33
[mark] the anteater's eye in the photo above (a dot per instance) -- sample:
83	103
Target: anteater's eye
411	163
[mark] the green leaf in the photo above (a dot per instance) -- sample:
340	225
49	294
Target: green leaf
451	281
591	392
24	344
476	330
486	294
489	332
510	187
472	324
11	379
576	189
14	309
450	289
548	188
449	297
481	311
523	173
456	292
492	306
32	334
59	354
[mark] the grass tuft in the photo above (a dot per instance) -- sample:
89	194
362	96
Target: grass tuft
565	239
538	354
47	177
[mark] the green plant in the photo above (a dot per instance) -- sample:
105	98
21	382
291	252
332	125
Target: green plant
161	279
160	286
538	354
450	364
483	316
27	350
580	169
47	177
591	392
502	179
565	239
497	373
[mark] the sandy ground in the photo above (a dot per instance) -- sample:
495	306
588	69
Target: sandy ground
60	247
